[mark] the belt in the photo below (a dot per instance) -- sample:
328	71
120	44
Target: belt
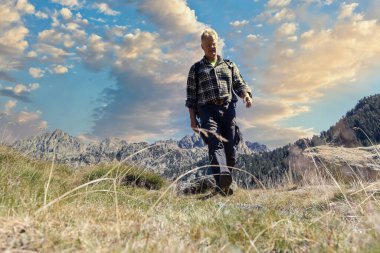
218	101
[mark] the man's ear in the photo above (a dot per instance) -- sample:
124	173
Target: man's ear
202	46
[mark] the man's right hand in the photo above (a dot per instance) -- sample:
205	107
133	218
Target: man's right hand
193	121
194	125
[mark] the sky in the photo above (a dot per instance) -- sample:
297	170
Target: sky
113	68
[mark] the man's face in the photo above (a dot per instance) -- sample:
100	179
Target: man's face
209	46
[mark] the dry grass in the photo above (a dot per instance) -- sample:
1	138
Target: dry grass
103	215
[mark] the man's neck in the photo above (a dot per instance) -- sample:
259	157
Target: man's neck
212	59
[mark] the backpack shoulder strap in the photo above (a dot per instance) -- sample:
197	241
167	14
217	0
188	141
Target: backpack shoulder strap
229	63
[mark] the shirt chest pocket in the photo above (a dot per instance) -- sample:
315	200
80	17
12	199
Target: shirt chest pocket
224	77
205	75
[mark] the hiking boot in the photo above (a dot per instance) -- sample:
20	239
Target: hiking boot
225	180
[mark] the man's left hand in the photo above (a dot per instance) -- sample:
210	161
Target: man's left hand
247	101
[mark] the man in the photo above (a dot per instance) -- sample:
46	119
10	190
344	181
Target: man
212	85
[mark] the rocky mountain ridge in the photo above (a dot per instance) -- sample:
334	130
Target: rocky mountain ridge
168	157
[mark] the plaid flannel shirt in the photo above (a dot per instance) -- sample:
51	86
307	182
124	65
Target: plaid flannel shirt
214	83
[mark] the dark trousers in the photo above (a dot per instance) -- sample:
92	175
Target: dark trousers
219	119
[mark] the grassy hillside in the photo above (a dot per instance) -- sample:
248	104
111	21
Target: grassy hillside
48	207
359	127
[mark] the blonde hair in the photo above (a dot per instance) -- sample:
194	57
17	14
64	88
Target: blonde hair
209	32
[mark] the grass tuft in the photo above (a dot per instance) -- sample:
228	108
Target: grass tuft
133	176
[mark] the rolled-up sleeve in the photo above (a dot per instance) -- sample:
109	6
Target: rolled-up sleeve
191	89
239	85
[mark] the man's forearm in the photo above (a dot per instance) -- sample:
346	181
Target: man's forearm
193	117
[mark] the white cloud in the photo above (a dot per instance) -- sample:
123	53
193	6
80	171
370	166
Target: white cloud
278	3
116	31
172	16
287	52
100	20
9	105
71	26
138	43
25	117
239	23
273	16
34	86
104	8
55	19
13	35
95	51
347	10
41	15
12	44
252	37
53	52
19	89
56	38
287	29
144	48
283	14
69	3
59	69
67	34
66	13
36	72
50	36
14	39
25	7
8	14
80	21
